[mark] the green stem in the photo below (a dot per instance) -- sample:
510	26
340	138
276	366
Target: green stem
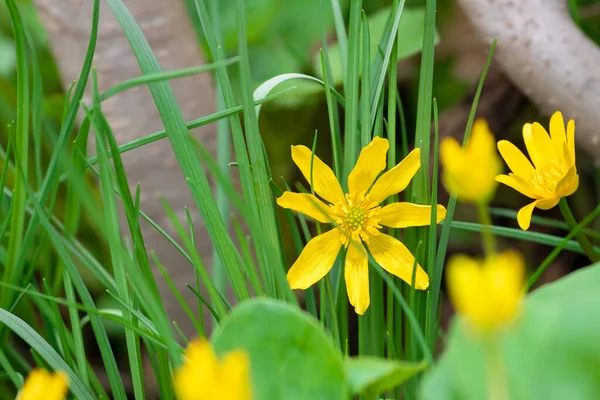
586	246
554	253
485	218
496	372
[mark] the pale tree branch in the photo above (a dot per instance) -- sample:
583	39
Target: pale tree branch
547	57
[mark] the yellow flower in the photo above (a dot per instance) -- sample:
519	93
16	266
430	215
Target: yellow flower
469	172
553	174
357	217
204	377
488	293
43	385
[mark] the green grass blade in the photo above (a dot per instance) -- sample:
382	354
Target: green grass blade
365	117
104	346
223	149
196	123
414	322
351	117
178	135
445	234
49	184
264	198
178	296
21	142
535	237
538	220
423	129
334	118
340	31
381	65
114	239
556	251
431	326
161	76
32	338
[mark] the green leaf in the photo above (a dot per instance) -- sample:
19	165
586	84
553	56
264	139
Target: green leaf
291	357
376	375
551	352
410	39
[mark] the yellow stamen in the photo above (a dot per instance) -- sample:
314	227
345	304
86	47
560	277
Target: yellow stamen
355	218
546	178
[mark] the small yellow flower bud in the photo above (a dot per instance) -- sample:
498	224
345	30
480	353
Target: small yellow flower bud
43	385
205	377
487	293
469	172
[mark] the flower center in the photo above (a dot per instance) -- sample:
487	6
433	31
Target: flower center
547	177
355	218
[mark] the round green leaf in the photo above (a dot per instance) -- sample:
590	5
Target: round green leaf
552	351
291	357
377	375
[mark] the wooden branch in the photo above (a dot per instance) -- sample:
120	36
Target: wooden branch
547	57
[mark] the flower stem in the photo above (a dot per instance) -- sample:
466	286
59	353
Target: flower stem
485	218
585	244
496	372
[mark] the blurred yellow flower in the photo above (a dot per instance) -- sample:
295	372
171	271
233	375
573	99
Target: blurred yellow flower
205	377
553	174
469	172
44	385
488	293
357	217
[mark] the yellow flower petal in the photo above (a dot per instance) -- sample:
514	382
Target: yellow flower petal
356	274
464	283
568	184
235	380
538	143
396	179
200	364
451	154
571	139
515	159
403	215
396	259
316	260
41	384
482	142
204	377
557	130
459	176
530	145
517	183
524	215
306	204
488	293
323	180
546	204
370	163
542	142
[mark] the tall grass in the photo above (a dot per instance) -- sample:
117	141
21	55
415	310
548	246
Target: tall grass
400	323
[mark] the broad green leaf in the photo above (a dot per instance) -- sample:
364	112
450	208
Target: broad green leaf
410	39
291	357
375	375
551	352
